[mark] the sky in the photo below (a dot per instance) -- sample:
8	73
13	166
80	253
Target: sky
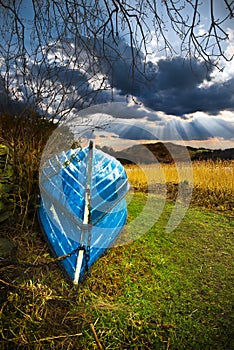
178	99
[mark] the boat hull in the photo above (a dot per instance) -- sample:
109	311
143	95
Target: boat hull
63	186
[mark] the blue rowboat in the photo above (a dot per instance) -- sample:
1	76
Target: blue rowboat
82	209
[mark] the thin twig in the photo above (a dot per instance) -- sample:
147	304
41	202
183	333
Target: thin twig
168	344
96	337
57	337
10	284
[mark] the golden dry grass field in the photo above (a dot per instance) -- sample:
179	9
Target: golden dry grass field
204	174
212	182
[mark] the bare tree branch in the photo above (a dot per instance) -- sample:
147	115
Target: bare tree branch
54	41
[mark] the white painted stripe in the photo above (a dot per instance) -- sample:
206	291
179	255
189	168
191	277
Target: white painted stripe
78	266
56	218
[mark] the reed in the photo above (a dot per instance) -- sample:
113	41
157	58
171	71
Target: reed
214	175
205	174
212	182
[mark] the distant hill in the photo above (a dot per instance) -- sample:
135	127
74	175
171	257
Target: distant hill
165	152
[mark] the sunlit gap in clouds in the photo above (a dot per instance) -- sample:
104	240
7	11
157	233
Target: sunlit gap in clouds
121	125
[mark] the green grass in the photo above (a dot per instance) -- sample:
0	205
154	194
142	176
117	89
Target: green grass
162	291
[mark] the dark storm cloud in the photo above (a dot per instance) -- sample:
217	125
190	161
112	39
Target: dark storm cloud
176	90
172	86
180	101
180	74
